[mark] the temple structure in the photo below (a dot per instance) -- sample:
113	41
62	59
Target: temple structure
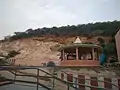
79	54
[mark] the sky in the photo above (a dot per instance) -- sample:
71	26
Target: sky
20	15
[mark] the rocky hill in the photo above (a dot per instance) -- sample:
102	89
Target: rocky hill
32	52
35	51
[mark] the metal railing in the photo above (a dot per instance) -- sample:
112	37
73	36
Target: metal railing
16	70
55	81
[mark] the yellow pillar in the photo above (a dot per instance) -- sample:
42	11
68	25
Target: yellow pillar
77	56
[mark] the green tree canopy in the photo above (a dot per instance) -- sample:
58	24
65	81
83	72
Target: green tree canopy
90	29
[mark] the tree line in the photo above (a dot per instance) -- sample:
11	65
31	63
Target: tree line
90	29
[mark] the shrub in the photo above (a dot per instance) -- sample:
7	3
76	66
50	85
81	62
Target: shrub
51	64
12	53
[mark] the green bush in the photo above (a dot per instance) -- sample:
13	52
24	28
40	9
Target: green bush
51	64
12	53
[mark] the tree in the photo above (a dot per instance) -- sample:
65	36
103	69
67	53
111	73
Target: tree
110	49
101	41
11	54
90	29
29	30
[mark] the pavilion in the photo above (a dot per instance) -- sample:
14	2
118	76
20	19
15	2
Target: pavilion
79	54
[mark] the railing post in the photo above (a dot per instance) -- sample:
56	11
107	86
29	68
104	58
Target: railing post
75	83
68	88
53	78
15	76
15	70
37	79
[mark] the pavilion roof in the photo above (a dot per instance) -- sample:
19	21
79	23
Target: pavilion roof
73	45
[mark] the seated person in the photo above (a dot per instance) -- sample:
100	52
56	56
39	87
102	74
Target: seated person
71	57
83	57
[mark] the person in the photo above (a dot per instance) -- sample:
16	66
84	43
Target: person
70	56
103	58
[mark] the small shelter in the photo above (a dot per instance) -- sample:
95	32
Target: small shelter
79	54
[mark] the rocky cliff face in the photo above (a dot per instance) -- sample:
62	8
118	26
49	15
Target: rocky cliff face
35	51
32	52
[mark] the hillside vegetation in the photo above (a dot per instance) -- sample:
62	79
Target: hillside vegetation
90	29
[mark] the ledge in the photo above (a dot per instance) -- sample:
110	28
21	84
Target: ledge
80	63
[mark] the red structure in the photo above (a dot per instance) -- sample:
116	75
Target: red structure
101	82
79	54
117	38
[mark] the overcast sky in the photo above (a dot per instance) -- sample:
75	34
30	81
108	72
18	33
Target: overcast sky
19	15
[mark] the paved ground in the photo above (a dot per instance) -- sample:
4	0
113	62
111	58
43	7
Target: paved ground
20	87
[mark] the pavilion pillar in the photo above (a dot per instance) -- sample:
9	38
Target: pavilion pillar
93	54
63	54
97	55
77	56
98	52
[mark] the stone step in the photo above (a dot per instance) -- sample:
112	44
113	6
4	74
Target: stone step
2	83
